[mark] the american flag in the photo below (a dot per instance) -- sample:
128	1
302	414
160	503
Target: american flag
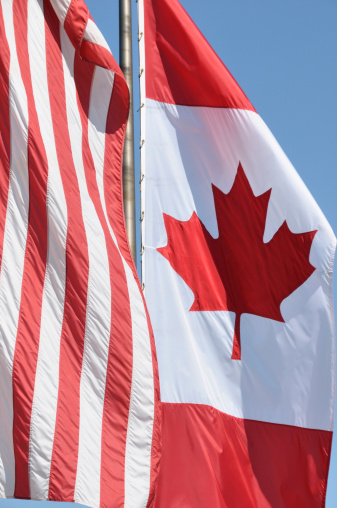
79	392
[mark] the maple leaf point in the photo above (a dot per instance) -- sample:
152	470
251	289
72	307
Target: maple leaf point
237	271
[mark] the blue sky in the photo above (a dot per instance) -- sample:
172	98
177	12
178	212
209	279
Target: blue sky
283	55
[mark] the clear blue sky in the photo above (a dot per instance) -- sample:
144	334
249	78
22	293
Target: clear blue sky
283	55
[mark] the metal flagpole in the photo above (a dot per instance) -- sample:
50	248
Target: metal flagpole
125	59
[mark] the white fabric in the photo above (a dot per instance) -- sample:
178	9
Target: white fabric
286	374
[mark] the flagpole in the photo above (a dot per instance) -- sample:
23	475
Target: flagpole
125	59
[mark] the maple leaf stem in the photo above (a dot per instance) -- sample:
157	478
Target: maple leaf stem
236	353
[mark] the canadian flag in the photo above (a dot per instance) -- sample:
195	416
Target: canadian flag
238	279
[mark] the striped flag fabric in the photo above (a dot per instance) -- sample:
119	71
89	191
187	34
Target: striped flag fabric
237	268
79	390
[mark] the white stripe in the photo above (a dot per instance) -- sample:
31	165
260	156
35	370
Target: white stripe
94	35
141	414
44	407
61	9
98	318
14	246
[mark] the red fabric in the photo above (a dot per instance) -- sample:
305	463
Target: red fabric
212	460
27	342
4	132
181	67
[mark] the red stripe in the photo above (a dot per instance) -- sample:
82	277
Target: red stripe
99	55
27	342
76	21
65	449
114	199
181	67
4	128
119	369
212	459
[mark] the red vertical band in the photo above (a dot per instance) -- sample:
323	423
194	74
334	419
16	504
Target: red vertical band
27	342
4	128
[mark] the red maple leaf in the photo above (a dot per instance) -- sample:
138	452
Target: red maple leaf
237	271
